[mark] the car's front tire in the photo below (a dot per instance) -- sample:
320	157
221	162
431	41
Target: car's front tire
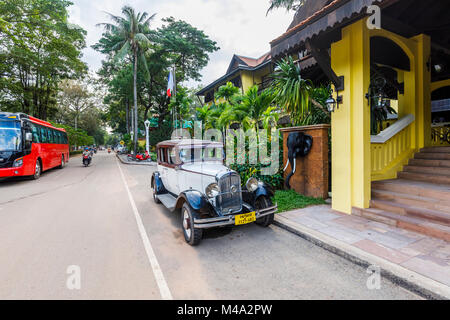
192	235
155	196
262	203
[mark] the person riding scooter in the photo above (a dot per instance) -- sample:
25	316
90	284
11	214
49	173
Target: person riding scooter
87	157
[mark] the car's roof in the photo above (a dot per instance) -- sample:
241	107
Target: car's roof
189	142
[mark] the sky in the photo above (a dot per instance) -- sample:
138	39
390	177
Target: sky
238	26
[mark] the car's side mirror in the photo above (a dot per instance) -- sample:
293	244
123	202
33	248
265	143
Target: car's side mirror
29	137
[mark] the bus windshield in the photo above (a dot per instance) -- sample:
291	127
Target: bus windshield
10	136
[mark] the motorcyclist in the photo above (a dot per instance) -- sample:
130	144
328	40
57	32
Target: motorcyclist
87	153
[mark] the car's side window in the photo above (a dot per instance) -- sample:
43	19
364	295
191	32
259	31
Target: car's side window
163	155
172	156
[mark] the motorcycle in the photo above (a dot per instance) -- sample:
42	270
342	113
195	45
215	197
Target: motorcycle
86	160
139	157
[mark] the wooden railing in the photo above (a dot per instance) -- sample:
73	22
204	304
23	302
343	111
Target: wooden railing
391	149
440	135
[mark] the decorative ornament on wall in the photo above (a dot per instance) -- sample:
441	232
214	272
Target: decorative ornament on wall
299	145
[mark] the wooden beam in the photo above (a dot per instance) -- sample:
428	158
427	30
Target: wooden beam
324	61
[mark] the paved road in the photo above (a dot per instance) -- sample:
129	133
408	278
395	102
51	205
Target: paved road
83	217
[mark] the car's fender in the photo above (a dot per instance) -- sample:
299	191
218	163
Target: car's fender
156	179
196	200
263	190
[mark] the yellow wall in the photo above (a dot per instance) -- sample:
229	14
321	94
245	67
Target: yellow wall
350	124
351	149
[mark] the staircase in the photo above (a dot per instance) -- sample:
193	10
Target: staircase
419	200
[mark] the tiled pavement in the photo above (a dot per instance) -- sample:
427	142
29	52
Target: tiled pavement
419	253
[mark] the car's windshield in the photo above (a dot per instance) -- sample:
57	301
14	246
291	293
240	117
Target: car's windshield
10	136
201	154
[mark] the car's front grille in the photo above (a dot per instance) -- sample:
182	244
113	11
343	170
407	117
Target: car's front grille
230	198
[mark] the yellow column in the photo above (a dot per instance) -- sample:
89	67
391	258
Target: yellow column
423	91
351	162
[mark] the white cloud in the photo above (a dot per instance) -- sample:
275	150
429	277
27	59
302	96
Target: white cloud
238	26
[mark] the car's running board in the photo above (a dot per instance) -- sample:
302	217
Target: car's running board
168	200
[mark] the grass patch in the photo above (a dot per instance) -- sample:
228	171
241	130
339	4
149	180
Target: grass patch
290	200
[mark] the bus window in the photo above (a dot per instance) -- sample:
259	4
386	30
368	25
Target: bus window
50	135
44	135
65	139
36	134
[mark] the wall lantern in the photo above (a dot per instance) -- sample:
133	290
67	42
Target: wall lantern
376	94
332	103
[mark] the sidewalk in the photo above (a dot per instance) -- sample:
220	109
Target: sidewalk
124	159
415	261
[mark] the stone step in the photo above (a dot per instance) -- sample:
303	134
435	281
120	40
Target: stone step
432	156
436	150
426	177
414	188
406	222
436	216
412	200
430	163
433	170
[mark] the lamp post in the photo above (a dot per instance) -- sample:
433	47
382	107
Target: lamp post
147	126
132	138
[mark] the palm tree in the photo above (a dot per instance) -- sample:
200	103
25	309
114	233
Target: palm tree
131	35
255	104
288	4
292	92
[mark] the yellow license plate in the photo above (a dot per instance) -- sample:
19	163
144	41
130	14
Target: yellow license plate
245	218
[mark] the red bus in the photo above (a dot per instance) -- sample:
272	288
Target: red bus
29	146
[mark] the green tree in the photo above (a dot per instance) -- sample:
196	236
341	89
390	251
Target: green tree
130	35
287	4
38	48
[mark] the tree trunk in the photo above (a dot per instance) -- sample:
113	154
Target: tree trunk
127	116
136	127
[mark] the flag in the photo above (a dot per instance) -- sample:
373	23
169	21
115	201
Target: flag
170	84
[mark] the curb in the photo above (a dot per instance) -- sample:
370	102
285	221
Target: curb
148	164
410	280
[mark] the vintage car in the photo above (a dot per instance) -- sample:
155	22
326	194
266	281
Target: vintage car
191	176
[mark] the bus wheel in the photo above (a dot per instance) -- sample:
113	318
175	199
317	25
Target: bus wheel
63	163
37	170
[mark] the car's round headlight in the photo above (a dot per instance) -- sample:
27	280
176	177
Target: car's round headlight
212	190
252	184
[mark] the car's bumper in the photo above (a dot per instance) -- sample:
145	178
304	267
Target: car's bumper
11	172
230	220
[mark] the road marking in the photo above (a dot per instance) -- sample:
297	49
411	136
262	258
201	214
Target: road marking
157	272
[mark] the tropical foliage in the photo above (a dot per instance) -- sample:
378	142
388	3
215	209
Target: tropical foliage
129	36
287	4
297	96
174	44
38	49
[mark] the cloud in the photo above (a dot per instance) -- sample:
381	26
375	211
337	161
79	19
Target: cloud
238	26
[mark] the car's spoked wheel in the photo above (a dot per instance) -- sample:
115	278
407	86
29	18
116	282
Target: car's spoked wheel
192	235
155	196
37	170
262	203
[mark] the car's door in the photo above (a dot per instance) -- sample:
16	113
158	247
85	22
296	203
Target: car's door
172	171
163	168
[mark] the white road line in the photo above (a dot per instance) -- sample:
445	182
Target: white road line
157	272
